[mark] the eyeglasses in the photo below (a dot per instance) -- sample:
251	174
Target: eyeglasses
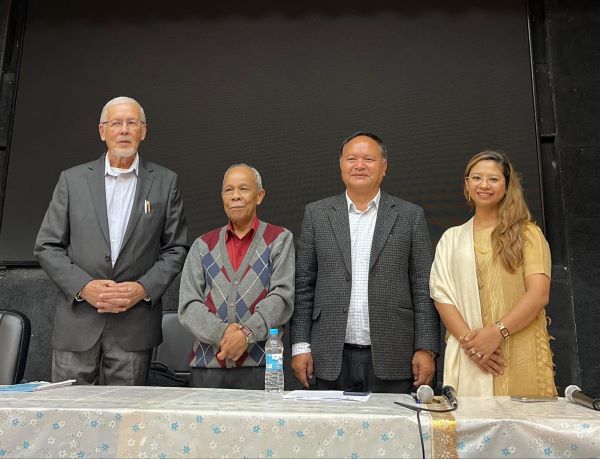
131	124
477	179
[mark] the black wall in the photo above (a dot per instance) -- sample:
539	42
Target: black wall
571	149
277	86
566	57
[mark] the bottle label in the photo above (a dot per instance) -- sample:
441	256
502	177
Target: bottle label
274	362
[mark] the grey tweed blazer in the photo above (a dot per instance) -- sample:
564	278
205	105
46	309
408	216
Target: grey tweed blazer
402	316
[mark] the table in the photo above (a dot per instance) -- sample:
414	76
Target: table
100	421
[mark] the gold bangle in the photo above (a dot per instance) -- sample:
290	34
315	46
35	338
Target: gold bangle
464	335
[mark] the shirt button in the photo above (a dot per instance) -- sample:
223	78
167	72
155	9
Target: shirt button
236	282
107	258
232	304
345	310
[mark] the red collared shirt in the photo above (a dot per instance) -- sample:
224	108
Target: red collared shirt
236	247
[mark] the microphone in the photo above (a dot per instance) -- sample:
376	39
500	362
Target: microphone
574	394
425	394
449	394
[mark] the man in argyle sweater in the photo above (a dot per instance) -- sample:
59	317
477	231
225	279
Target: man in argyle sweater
237	282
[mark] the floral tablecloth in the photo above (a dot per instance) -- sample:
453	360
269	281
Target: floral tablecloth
84	421
501	427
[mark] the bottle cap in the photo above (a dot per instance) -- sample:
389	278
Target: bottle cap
273	331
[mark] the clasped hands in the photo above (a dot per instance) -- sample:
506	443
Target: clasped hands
482	346
113	297
233	343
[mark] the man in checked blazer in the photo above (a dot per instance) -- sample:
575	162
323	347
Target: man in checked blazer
113	239
363	318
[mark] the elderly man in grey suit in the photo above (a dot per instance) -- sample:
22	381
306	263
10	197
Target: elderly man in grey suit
113	239
363	319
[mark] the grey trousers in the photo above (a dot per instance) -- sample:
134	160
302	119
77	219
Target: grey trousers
357	374
105	362
229	378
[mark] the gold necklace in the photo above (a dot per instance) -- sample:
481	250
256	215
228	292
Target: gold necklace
480	241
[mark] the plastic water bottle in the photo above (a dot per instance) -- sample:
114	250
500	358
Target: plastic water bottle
274	363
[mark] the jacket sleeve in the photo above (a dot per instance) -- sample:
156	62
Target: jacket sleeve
306	279
52	242
427	321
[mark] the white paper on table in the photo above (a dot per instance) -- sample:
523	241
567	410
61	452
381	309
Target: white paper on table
35	386
328	395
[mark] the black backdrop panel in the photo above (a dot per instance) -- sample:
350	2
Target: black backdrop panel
277	86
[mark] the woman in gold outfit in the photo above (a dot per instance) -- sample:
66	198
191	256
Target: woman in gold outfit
490	282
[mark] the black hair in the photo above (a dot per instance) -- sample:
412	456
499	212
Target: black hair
370	135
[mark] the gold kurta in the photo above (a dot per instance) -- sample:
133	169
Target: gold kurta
530	370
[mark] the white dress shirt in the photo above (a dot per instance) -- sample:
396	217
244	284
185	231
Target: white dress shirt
120	190
362	227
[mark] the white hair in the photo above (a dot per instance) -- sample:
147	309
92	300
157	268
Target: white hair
256	174
122	100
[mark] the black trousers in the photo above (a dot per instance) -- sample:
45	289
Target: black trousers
229	378
357	374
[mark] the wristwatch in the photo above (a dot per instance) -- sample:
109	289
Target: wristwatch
248	333
503	330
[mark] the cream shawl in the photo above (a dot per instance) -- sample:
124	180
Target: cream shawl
454	281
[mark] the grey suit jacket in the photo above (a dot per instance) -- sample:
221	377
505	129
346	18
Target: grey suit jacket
73	248
402	317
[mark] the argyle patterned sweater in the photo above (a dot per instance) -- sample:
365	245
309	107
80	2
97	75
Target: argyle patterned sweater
260	294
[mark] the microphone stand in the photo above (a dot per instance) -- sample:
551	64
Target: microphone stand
418	408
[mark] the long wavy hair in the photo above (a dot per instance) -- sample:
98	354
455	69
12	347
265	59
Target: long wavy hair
513	213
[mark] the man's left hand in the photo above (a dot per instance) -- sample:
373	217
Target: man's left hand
233	345
120	297
423	366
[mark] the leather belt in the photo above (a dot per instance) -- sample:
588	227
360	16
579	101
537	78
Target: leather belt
358	346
